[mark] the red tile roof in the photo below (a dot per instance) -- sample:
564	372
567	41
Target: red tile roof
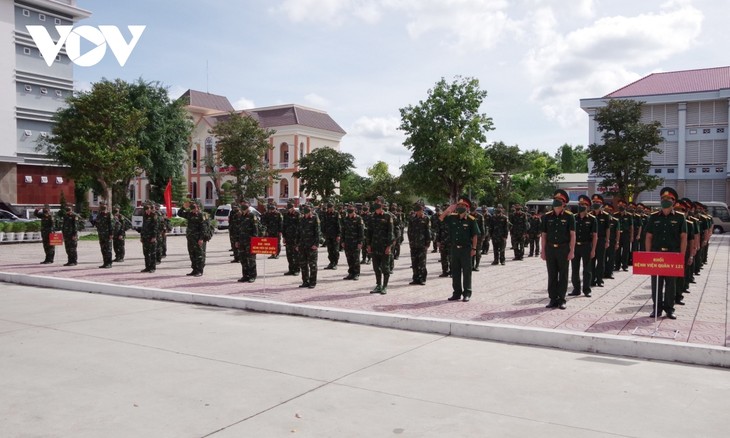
295	115
673	82
207	100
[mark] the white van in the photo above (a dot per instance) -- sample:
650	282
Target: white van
223	211
139	211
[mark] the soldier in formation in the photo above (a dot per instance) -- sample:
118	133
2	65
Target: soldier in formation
353	236
273	221
121	225
463	234
234	231
308	236
380	237
626	224
533	234
481	225
603	227
48	226
499	229
70	226
290	223
366	215
192	212
104	224
487	237
419	240
444	244
148	236
586	239
332	233
558	243
249	226
518	232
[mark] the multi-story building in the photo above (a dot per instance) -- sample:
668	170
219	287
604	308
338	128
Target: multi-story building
32	92
298	131
692	107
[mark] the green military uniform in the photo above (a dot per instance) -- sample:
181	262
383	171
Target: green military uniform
121	225
463	232
148	236
70	228
533	234
48	226
353	236
558	232
626	222
487	237
332	232
380	237
613	234
520	227
308	236
105	228
248	228
398	227
603	225
666	232
586	229
481	225
290	224
444	244
435	222
499	227
273	221
234	231
419	239
366	216
194	235
683	282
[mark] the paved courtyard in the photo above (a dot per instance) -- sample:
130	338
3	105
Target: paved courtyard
514	294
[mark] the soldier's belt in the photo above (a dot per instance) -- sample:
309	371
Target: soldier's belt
557	245
583	243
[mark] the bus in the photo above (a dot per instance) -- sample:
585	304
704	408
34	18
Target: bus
718	210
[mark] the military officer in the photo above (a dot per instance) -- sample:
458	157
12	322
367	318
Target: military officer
603	224
290	223
626	222
681	206
248	228
48	226
196	244
380	237
274	222
444	246
105	228
558	243
148	237
234	230
353	236
533	234
613	236
463	233
419	239
121	225
399	227
499	229
481	224
518	232
332	234
366	215
70	228
586	240
308	236
487	238
666	232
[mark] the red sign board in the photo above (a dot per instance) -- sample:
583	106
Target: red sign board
264	245
666	264
55	239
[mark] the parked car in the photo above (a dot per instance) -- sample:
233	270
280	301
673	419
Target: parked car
223	211
139	211
6	216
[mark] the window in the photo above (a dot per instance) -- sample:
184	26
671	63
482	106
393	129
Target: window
26	13
195	160
720	130
657	171
670	170
692	170
706	131
719	169
57	21
705	170
28	179
59	93
208	191
59	180
26	50
44	180
194	190
58	57
42	17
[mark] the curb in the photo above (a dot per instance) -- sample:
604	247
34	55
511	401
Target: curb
639	348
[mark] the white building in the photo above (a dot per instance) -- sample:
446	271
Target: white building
31	93
692	107
299	131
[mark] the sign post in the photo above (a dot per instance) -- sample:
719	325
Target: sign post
663	264
264	245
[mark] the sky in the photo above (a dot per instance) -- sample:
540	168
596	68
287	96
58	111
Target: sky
363	60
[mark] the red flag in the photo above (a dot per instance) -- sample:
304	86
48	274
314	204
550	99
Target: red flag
168	198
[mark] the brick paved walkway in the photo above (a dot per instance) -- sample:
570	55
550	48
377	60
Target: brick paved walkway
514	294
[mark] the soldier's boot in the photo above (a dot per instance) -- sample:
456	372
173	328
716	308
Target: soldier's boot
384	289
495	262
376	289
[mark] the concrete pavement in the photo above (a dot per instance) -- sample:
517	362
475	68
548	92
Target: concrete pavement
88	365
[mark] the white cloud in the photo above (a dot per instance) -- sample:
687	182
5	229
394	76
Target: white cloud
243	103
175	91
333	12
82	86
599	58
377	127
316	101
373	139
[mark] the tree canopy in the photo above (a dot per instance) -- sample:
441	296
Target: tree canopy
572	159
242	145
445	133
321	170
97	136
622	158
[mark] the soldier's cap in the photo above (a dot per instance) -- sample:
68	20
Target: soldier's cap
271	207
641	204
669	193
289	205
464	199
583	199
597	199
561	195
620	202
632	204
679	205
688	202
608	207
381	199
418	204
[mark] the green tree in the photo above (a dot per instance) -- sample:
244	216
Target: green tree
355	188
622	158
165	137
242	144
321	170
572	159
96	136
444	135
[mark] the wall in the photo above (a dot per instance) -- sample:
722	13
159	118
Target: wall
38	193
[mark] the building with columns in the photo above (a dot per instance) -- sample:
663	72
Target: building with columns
692	107
299	131
31	94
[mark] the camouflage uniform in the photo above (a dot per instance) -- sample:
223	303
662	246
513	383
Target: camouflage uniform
533	234
196	244
366	216
234	230
499	228
70	228
353	235
274	222
520	226
434	229
380	236
105	228
48	225
249	227
332	231
290	224
162	225
487	227
148	236
419	239
444	244
398	226
121	225
308	235
481	227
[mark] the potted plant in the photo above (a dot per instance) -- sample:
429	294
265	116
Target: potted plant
183	225
19	228
9	231
2	231
176	223
33	230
